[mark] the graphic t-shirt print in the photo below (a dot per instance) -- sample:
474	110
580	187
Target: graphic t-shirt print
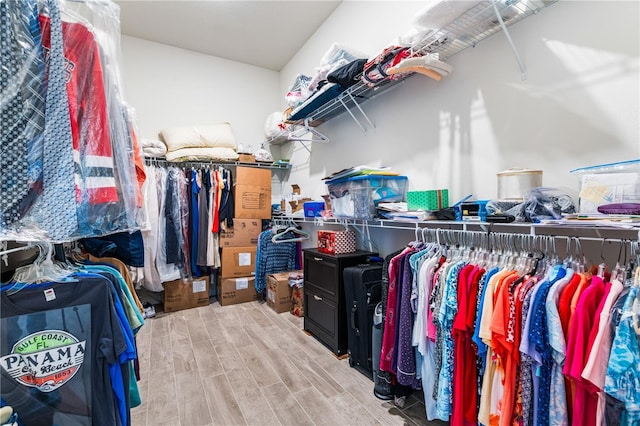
45	360
50	352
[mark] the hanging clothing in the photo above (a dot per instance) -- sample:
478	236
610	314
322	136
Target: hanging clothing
272	257
227	208
584	405
203	217
83	316
194	220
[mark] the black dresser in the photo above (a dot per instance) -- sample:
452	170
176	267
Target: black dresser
324	303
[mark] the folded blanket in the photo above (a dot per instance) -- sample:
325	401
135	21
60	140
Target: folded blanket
153	148
197	154
211	136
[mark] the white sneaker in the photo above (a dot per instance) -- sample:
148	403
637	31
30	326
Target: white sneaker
149	312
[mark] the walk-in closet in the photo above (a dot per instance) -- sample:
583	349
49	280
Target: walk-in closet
261	212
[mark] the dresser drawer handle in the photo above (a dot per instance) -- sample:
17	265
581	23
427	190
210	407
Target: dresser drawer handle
318	259
318	298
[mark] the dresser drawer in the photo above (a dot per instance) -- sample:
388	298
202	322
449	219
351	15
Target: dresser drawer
322	276
321	312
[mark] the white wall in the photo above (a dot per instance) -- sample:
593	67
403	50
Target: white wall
168	87
579	105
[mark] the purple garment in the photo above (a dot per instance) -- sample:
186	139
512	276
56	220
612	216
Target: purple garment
406	365
399	283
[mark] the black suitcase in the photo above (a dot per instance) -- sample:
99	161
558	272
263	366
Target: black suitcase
362	291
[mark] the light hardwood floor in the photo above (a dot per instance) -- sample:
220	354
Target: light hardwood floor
244	365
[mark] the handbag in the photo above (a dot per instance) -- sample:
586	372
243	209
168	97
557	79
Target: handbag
375	70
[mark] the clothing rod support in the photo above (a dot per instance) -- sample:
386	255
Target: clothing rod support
360	109
352	116
523	69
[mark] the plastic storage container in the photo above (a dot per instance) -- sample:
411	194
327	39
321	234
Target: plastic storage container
313	208
612	183
356	197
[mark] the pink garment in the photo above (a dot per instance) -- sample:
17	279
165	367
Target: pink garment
389	336
585	403
461	344
595	371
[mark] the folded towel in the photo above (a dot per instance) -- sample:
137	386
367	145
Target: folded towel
153	148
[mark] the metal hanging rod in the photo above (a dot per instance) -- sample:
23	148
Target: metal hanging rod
160	162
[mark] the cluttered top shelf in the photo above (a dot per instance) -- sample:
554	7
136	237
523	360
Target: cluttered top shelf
460	24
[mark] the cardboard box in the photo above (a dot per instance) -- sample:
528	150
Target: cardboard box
246	158
238	261
186	293
245	232
297	301
237	290
253	193
279	292
434	199
336	242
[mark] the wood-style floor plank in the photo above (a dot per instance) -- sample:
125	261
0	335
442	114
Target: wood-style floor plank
317	407
285	405
192	402
223	405
289	375
206	359
232	364
183	358
253	403
162	396
260	369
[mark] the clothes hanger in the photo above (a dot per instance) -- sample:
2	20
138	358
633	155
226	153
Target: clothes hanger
43	269
299	235
297	135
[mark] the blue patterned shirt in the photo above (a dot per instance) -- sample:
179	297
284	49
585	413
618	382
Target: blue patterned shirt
272	257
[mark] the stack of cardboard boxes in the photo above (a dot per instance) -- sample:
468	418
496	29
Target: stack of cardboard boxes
252	204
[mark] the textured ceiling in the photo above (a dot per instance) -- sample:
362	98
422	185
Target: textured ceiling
266	34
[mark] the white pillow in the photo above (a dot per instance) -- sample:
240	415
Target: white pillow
211	136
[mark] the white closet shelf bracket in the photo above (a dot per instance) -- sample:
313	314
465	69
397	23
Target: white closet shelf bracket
523	69
341	100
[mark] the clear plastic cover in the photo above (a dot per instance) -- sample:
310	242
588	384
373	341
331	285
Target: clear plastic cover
299	91
107	184
539	204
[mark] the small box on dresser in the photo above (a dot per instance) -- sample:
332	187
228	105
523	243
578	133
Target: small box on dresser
336	242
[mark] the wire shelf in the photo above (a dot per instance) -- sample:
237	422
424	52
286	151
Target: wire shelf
476	24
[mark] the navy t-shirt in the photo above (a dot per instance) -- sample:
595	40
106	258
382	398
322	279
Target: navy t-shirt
56	344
